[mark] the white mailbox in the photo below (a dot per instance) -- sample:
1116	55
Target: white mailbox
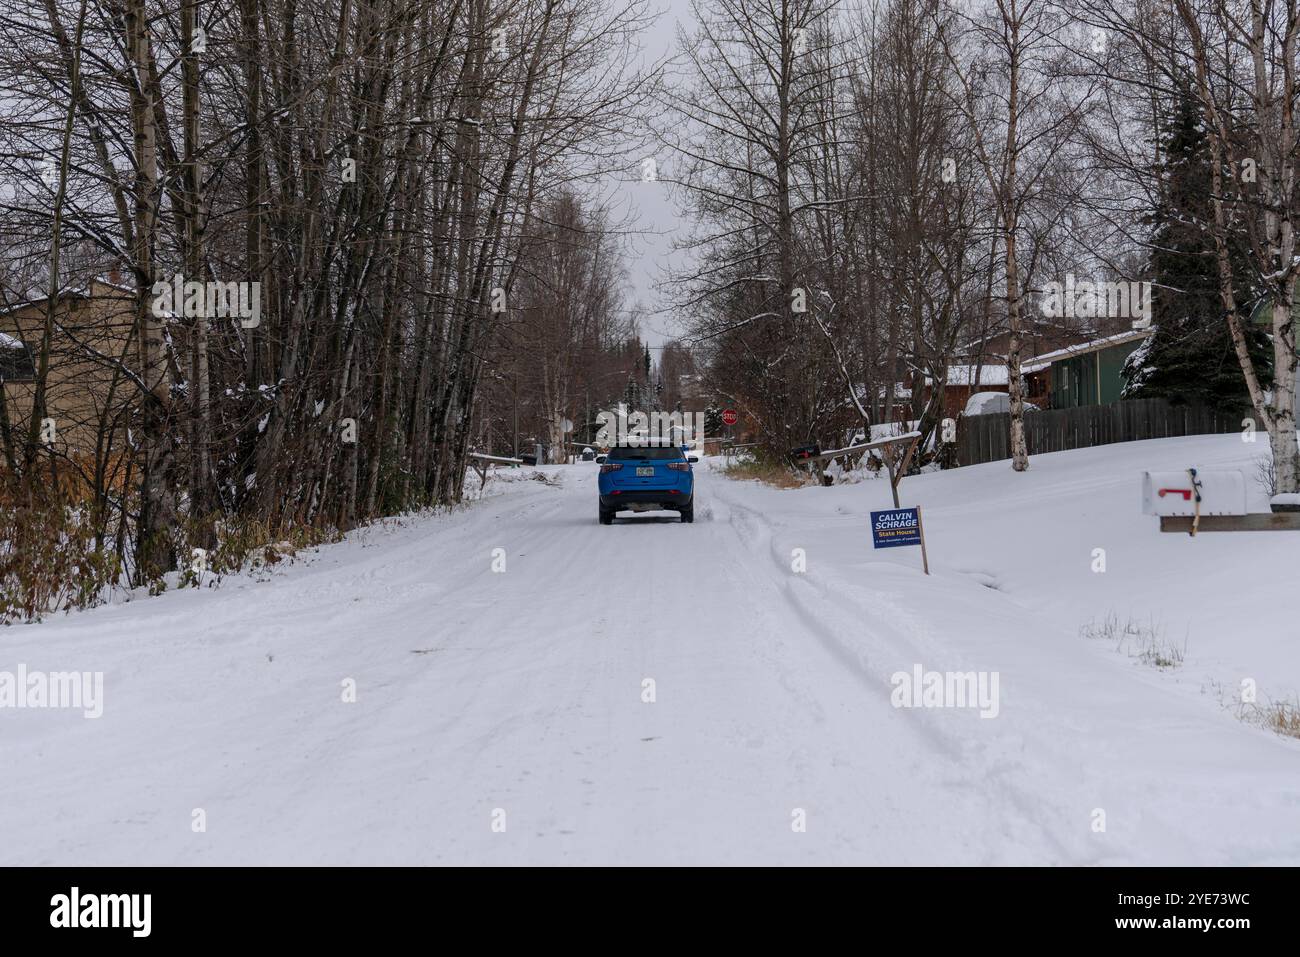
1221	491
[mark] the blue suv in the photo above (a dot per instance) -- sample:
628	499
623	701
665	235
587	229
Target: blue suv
643	478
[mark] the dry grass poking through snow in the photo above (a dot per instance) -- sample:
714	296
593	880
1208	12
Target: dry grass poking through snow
769	473
1145	642
1282	717
1279	717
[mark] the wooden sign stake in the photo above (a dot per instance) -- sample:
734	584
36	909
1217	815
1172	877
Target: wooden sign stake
896	474
920	527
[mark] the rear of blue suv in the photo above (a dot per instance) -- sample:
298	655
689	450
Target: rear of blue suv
643	478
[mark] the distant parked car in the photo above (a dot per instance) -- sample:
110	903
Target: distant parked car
988	403
805	452
527	458
646	477
588	455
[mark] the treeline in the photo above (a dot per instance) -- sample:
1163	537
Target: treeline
398	185
882	190
571	344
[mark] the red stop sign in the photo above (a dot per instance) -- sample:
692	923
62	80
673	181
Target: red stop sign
729	417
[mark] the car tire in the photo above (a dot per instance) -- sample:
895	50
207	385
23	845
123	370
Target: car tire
688	513
606	518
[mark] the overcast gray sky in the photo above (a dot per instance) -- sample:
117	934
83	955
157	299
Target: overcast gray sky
651	203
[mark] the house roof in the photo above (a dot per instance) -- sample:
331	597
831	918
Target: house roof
989	374
1096	345
79	291
67	293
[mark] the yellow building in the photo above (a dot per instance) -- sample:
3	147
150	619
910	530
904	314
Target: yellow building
88	387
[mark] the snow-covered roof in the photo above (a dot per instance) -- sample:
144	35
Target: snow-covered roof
9	342
115	285
1047	358
72	291
965	375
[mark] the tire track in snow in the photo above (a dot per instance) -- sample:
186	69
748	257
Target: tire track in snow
940	739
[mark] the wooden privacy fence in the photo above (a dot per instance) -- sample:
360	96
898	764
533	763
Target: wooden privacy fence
986	438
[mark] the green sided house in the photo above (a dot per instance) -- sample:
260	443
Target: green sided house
1090	373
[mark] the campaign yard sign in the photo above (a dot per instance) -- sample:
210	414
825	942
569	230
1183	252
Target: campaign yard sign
897	526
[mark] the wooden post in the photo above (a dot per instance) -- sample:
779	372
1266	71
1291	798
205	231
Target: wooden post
1254	522
893	482
907	458
896	475
1196	492
920	527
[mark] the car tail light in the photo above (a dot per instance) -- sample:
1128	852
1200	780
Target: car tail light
680	466
610	467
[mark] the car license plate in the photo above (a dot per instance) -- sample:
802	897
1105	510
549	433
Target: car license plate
645	471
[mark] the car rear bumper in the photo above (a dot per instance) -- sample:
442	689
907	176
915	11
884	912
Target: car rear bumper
632	496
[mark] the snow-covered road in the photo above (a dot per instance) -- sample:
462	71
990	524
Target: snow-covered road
501	716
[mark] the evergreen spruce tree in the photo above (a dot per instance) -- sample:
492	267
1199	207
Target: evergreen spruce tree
713	419
1189	358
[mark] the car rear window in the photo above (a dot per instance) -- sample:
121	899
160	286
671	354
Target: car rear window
644	453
